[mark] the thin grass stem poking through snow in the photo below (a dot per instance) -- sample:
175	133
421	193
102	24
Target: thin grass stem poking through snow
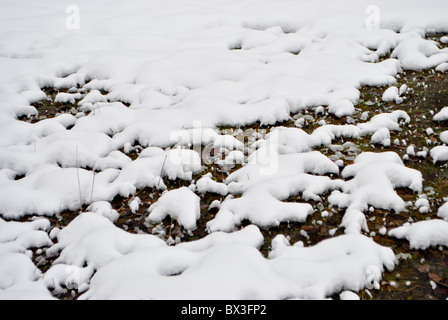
93	181
161	170
79	181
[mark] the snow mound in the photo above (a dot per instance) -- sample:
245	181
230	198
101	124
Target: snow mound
149	168
20	279
180	204
204	136
50	189
416	53
423	234
444	137
262	194
381	136
390	121
295	140
63	97
342	108
19	236
68	149
231	269
442	115
443	211
439	153
443	67
392	95
207	184
93	240
105	209
374	178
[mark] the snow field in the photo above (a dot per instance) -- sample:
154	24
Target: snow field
148	99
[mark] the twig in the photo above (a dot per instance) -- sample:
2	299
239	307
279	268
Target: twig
130	199
161	170
93	182
171	227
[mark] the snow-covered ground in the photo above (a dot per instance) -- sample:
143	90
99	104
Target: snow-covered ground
149	86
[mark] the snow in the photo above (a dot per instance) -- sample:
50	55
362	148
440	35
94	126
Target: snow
390	121
134	204
422	204
18	232
443	67
62	277
403	89
415	53
375	176
207	184
381	136
49	189
296	140
444	137
262	195
21	279
94	240
439	153
341	108
392	95
442	115
410	150
150	86
423	234
233	157
180	204
63	97
348	295
443	211
235	269
105	209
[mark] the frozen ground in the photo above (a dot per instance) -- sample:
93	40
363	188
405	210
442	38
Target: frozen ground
223	149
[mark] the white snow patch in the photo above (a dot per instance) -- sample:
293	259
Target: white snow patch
94	240
239	271
381	136
443	211
20	279
390	121
392	95
439	153
207	184
348	295
180	204
443	67
63	97
442	115
444	137
416	53
423	234
374	178
262	194
105	209
342	108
